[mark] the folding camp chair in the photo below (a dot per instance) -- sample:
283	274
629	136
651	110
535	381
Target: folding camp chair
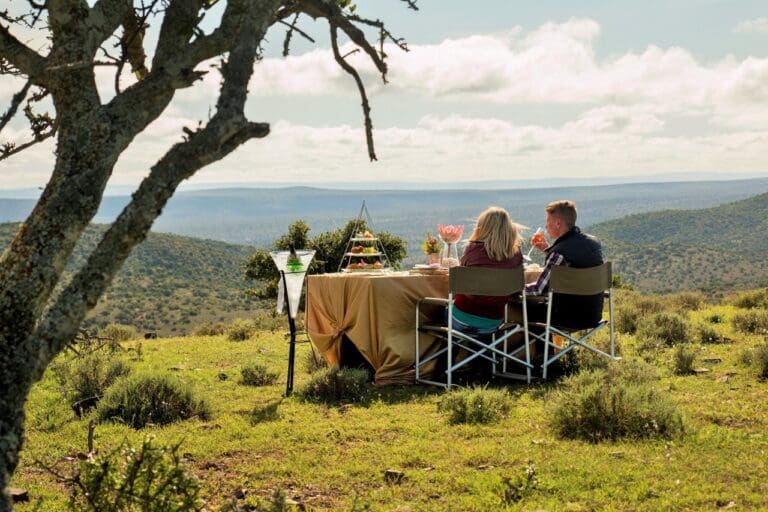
582	282
477	343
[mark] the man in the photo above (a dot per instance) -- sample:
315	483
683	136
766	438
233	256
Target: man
572	248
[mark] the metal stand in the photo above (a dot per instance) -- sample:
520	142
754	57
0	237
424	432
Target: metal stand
291	342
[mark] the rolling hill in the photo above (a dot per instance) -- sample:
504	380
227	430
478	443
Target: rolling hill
709	249
256	217
170	284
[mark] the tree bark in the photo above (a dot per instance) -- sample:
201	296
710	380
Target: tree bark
34	325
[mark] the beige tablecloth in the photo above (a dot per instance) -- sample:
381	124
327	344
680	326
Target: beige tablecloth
376	312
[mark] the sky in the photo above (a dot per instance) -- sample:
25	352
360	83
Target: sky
489	91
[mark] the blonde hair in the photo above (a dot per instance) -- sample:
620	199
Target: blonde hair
499	234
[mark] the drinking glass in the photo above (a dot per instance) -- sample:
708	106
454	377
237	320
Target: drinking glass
537	237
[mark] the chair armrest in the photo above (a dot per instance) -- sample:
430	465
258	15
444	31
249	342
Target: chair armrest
539	299
432	300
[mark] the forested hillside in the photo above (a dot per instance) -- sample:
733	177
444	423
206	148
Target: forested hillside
173	284
258	216
170	284
709	249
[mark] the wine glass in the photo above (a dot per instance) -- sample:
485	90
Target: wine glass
537	237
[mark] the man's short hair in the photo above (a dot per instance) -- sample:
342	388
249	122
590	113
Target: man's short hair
564	210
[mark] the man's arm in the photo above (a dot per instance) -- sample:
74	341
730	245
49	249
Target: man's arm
542	282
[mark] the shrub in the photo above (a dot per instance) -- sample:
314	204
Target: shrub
751	299
751	322
150	478
684	358
158	399
650	304
240	330
708	335
668	327
648	348
761	357
258	375
210	329
334	385
620	402
84	379
119	332
314	362
475	405
692	301
270	320
747	357
626	319
715	318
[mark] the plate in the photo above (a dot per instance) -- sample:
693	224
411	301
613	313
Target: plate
422	266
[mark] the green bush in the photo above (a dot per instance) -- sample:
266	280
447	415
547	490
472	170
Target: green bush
119	332
692	301
620	402
683	359
651	304
149	478
334	385
258	375
751	322
211	329
747	356
668	327
270	320
84	379
478	405
314	362
715	318
329	249
626	319
751	299
761	357
648	348
157	399
709	335
240	330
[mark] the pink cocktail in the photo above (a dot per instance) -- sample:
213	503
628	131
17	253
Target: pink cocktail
450	234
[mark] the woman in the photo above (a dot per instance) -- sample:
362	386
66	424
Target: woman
494	243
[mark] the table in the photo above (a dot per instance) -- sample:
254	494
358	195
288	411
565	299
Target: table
377	312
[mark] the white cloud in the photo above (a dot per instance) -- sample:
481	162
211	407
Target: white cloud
648	112
755	25
555	64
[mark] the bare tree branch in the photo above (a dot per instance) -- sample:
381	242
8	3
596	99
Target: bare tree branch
15	102
334	15
29	62
7	150
360	87
291	29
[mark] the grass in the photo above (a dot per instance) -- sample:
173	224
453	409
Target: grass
331	457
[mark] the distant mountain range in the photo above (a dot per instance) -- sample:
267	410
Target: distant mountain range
709	249
258	216
172	284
